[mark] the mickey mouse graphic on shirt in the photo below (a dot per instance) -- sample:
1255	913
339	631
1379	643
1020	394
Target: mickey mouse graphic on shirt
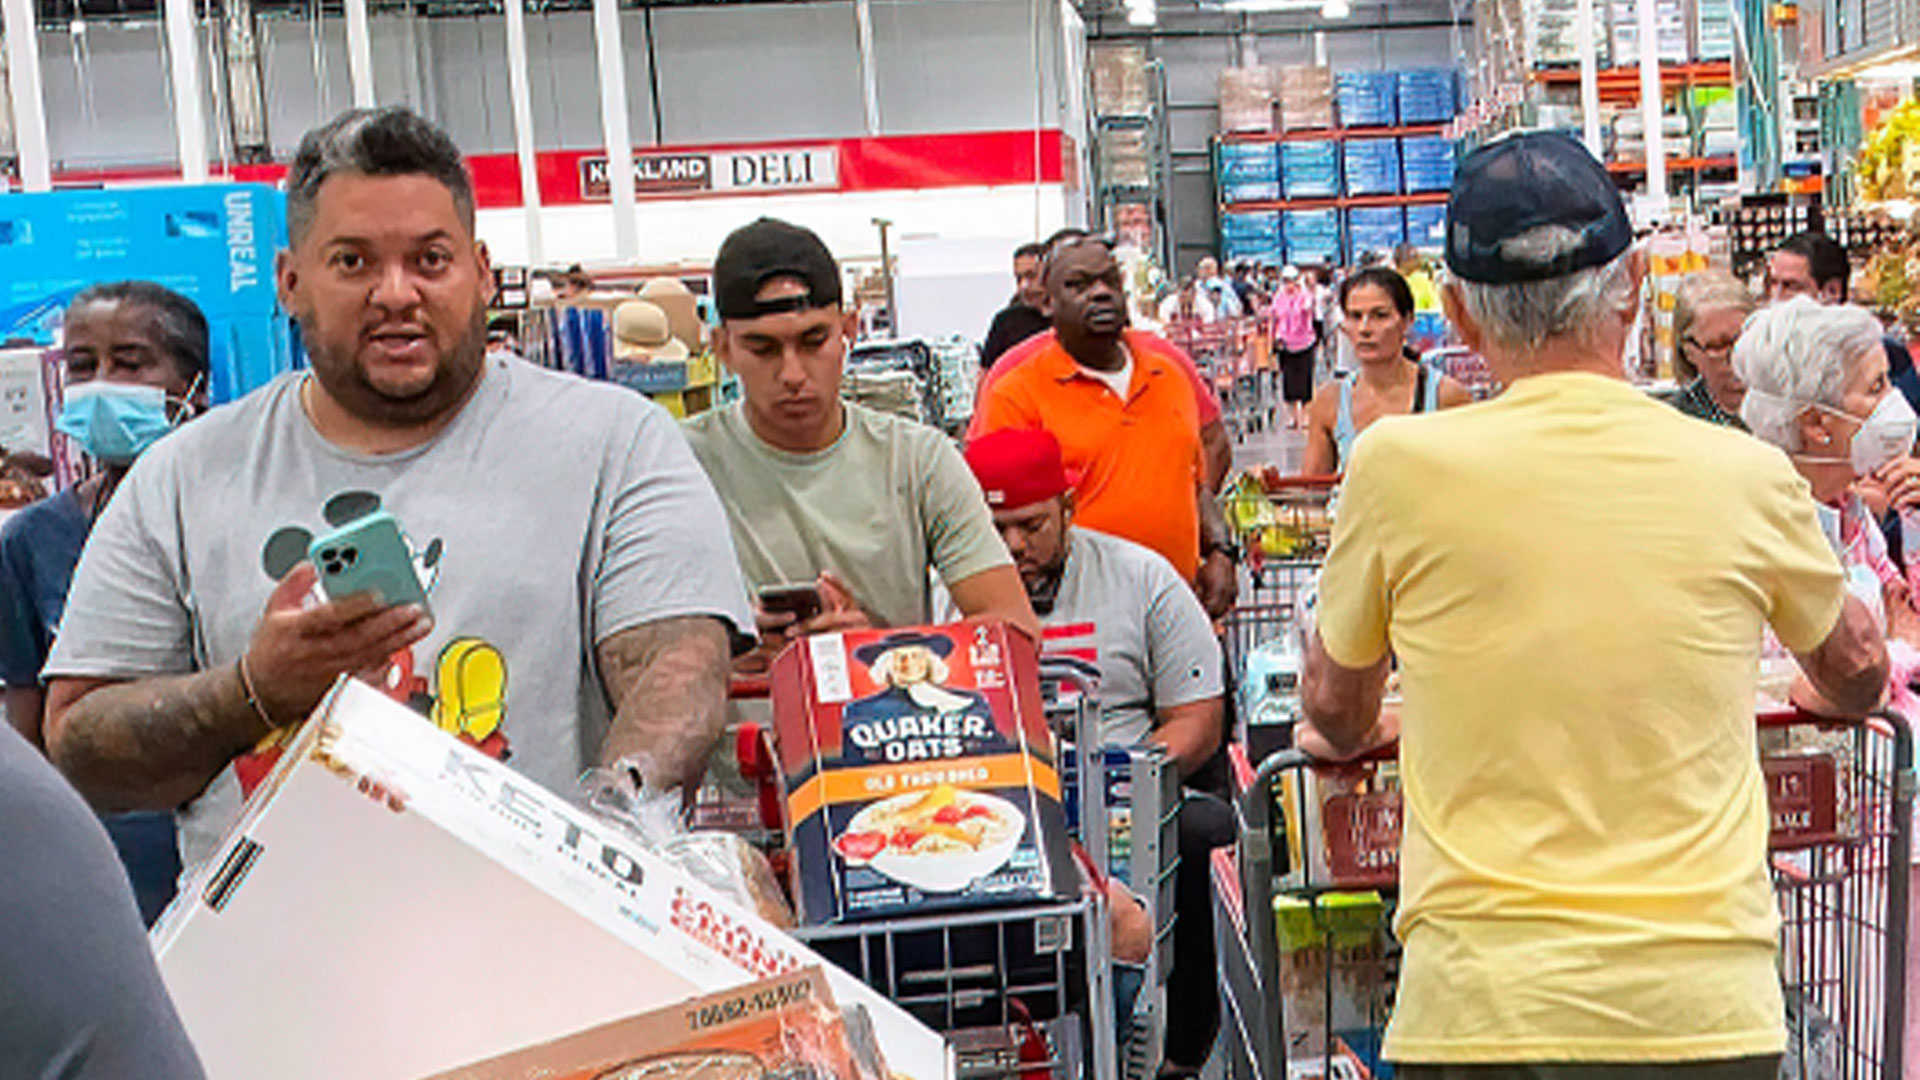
468	695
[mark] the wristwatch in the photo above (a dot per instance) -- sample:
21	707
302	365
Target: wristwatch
1227	547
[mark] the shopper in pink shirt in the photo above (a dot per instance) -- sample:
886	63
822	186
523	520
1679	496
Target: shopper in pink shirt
1290	320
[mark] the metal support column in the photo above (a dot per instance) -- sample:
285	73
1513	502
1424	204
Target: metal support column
519	92
359	54
246	87
1658	200
613	124
1586	46
869	78
23	86
189	110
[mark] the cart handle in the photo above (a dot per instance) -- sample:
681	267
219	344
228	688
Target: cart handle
750	688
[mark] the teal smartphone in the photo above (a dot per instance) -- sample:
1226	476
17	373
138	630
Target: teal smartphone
368	554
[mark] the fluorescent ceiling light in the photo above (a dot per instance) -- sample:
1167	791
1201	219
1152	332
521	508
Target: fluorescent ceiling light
1336	9
1141	13
1256	6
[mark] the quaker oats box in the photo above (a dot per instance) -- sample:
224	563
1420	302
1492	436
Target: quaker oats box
919	773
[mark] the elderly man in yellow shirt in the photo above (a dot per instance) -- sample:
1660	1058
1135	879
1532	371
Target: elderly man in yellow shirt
1573	579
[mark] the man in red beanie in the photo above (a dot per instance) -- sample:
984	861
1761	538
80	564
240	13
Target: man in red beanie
1123	607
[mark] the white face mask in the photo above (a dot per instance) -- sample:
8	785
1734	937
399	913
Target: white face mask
1887	433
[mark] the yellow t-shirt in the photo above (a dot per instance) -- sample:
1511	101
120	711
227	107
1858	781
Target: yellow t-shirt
1425	296
1574	578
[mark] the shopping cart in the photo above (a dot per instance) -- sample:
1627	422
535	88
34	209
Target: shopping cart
1464	366
1027	992
1304	915
1841	852
1313	898
1234	354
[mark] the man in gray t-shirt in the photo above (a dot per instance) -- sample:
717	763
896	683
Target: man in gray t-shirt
820	492
1124	608
576	561
1109	601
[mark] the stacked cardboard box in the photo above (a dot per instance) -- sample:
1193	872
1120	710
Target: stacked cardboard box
1120	86
1126	157
1305	97
1246	99
1670	31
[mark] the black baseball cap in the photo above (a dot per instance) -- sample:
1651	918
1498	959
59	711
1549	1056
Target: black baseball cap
1522	182
755	254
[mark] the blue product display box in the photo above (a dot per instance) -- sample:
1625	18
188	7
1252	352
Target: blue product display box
1426	225
1426	163
1249	172
1371	166
214	243
1367	98
1312	236
1310	169
1374	228
1253	236
1428	96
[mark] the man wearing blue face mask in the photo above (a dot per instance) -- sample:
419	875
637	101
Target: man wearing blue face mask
137	363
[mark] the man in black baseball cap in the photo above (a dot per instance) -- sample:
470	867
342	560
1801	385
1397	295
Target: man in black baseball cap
819	492
1572	580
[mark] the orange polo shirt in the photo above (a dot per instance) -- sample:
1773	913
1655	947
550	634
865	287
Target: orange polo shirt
1139	460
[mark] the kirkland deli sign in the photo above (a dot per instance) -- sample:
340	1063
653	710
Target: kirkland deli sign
721	172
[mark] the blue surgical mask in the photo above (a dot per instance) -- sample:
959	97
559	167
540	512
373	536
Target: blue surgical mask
114	422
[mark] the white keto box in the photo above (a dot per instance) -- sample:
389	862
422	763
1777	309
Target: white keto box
333	937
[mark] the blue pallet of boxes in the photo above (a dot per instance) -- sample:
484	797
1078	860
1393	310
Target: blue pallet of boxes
1426	163
1372	166
1427	225
1374	228
1312	236
1249	172
1253	236
1310	169
1428	95
1367	98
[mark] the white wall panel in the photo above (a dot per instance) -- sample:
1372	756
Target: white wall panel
306	84
760	72
933	55
107	100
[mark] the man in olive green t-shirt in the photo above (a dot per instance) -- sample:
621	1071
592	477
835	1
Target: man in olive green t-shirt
821	491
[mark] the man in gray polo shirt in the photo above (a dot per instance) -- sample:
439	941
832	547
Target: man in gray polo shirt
1124	608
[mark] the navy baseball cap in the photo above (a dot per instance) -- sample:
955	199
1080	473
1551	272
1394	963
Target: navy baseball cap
755	254
1522	182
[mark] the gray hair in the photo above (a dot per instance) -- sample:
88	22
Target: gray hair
1521	316
392	141
1704	291
1795	355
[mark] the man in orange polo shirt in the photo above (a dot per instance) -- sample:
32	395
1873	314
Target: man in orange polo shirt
1214	439
1124	412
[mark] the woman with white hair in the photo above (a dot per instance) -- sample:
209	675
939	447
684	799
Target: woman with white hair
1817	388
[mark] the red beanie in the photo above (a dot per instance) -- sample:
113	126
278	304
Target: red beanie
1018	468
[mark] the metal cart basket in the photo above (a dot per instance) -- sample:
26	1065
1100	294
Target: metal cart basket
1840	851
